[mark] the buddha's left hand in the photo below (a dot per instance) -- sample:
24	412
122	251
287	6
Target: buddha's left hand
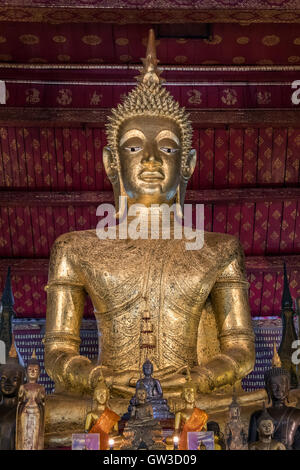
201	377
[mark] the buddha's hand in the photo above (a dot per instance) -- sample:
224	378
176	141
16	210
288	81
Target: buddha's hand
201	376
112	378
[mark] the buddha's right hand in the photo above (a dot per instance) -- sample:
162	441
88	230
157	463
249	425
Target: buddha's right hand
112	379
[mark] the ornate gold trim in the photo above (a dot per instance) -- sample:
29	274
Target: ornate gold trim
175	68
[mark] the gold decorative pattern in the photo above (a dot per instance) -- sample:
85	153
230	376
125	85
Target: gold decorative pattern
214	41
29	39
92	40
243	40
122	41
271	40
59	39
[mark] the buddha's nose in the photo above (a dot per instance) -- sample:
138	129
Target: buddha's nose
151	158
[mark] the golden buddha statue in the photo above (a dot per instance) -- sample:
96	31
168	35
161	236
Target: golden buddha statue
102	419
190	418
194	301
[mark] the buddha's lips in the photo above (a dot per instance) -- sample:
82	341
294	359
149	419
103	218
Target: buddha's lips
147	175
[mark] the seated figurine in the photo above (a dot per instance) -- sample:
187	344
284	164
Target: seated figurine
11	378
142	429
101	419
154	394
286	418
189	419
235	433
218	435
266	429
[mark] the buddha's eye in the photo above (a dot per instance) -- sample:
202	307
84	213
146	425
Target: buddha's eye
133	149
168	150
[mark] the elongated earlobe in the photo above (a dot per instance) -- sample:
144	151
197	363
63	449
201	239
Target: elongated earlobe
115	179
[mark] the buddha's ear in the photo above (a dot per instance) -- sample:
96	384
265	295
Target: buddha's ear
110	165
187	172
190	164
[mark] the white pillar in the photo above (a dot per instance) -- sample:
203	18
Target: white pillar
2	92
2	353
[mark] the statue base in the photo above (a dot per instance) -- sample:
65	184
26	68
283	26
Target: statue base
65	414
148	438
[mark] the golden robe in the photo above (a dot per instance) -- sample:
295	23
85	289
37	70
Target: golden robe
104	425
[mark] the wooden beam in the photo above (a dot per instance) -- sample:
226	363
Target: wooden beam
32	266
205	196
86	117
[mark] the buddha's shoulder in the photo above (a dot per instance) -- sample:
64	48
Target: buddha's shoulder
221	244
71	240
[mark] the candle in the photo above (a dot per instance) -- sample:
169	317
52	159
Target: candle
175	440
111	444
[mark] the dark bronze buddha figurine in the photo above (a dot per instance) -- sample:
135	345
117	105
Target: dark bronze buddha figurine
11	378
235	433
142	429
266	427
154	394
286	418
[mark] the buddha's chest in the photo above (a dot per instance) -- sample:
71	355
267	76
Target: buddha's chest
156	270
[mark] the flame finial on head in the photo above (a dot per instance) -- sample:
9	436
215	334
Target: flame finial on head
276	362
150	72
13	352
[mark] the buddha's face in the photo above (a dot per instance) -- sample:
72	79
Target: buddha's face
101	395
150	159
189	395
266	427
147	369
141	395
33	372
279	388
10	382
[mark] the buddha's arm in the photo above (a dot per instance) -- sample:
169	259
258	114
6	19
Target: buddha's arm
230	304
65	304
88	422
177	423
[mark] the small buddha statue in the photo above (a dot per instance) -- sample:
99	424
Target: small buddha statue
235	433
266	427
31	410
286	418
191	418
11	379
102	419
201	446
218	435
142	428
154	394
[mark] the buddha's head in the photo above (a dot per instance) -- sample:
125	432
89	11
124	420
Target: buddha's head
33	369
265	424
189	393
148	368
148	158
101	393
11	378
141	394
277	381
11	375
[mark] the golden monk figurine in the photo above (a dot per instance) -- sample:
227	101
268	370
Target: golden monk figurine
30	419
102	419
191	418
152	297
